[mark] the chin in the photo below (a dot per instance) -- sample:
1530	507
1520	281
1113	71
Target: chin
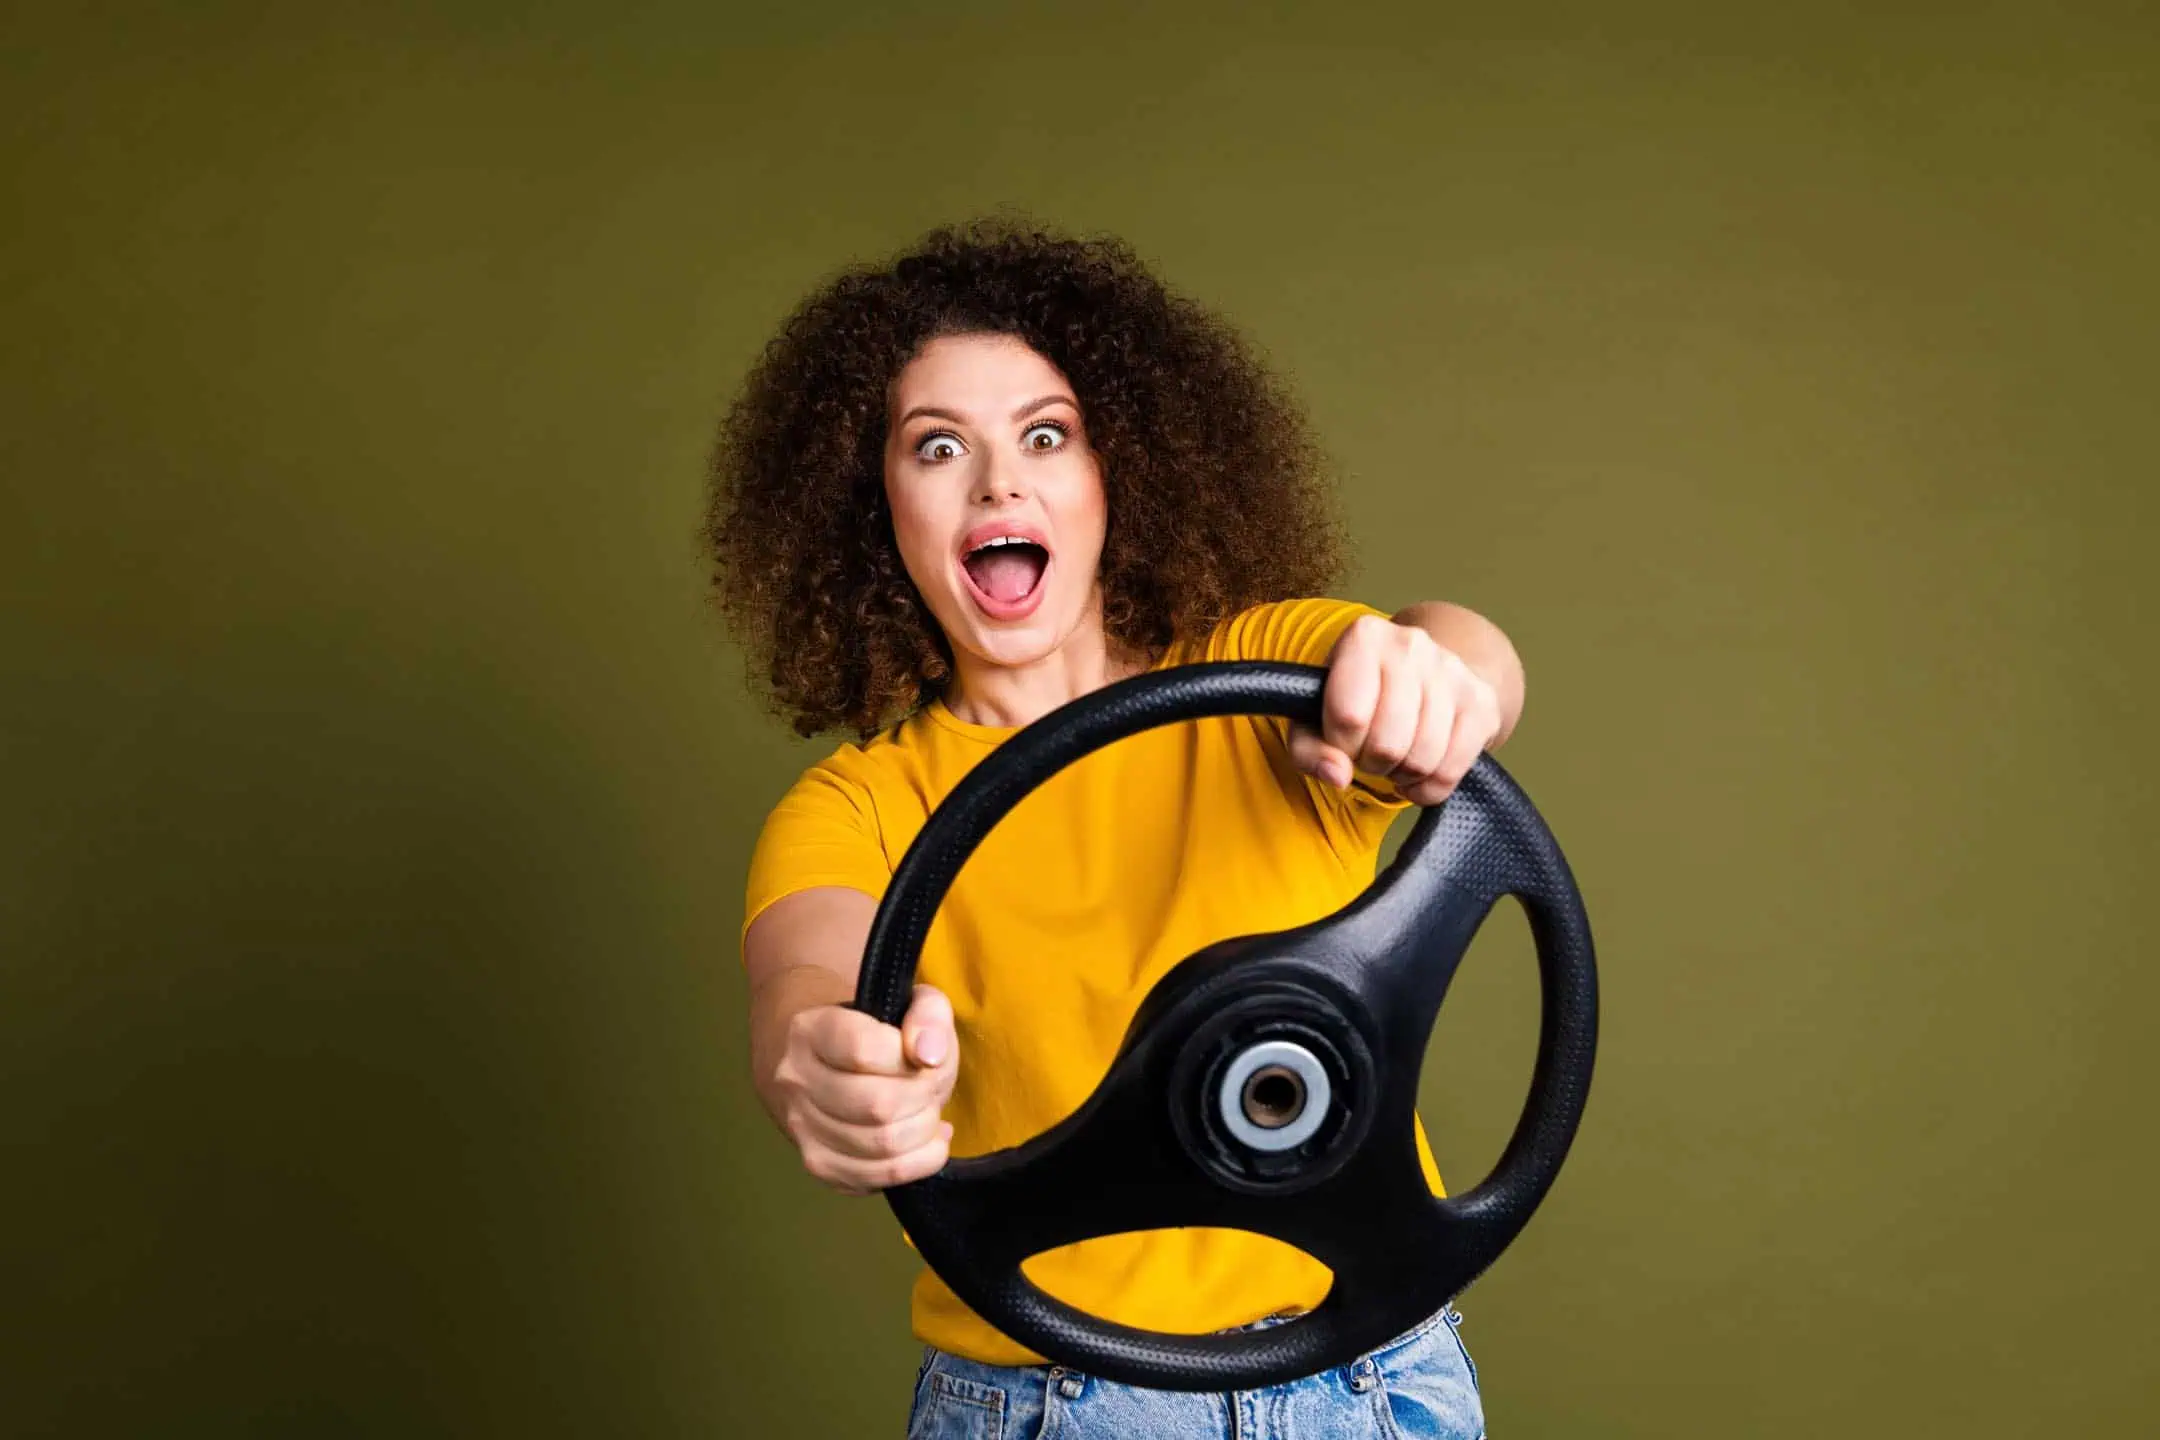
1014	644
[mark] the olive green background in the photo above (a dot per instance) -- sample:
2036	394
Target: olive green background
378	790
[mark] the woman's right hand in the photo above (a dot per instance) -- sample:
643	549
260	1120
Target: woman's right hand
861	1099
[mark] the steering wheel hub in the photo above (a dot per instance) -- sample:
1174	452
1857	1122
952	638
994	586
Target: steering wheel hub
1275	1095
1271	1092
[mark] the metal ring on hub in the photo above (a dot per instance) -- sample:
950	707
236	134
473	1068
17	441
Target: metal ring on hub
1303	1066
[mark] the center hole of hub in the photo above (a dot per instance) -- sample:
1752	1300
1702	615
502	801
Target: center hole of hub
1274	1096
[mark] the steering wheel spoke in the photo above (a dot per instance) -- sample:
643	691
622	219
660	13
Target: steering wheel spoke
1119	1149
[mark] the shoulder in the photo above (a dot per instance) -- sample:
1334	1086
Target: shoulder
886	785
1301	631
847	782
834	825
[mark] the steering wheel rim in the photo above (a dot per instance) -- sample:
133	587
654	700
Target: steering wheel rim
1485	842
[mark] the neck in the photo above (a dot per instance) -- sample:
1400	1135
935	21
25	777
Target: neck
1012	696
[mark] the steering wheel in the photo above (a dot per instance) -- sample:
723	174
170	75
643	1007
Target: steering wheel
1268	1082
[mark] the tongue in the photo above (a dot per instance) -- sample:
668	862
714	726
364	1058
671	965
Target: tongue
1007	573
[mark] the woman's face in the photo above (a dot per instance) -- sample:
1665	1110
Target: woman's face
996	497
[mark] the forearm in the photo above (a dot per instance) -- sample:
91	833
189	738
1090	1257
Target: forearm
1483	646
773	1005
803	952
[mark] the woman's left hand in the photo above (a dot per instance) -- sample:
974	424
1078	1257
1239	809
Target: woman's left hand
1400	705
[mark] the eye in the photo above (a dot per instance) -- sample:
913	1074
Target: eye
1043	435
937	446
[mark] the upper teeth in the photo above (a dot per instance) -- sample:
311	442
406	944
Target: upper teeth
1005	540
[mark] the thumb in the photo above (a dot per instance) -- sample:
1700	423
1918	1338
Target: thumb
1317	758
928	1027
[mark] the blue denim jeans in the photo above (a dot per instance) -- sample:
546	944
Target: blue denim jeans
1419	1386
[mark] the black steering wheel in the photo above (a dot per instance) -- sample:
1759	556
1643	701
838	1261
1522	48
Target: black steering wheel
1267	1083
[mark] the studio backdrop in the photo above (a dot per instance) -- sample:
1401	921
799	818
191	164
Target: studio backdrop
376	784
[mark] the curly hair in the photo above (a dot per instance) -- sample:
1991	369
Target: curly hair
1216	494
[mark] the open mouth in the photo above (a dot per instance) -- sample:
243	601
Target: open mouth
1006	569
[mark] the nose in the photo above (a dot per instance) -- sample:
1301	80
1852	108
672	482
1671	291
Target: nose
999	478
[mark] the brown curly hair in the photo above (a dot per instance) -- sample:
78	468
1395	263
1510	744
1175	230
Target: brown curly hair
1216	494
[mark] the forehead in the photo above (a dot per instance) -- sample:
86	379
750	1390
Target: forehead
987	373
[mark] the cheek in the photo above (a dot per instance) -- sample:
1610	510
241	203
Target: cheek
1092	507
919	531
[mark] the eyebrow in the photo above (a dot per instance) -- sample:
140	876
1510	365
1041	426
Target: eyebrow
1039	403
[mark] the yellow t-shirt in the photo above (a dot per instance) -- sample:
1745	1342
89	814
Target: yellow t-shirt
1074	905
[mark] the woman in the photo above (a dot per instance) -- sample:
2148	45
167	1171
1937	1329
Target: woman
958	491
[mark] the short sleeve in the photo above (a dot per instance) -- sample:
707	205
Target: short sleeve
1296	632
822	832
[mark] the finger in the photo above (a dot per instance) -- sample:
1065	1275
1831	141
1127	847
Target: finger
812	1126
1477	720
1395	716
1351	693
877	1099
931	1039
849	1040
1317	758
862	1177
1475	725
1435	732
1429	791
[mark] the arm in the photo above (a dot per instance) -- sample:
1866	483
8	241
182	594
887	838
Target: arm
1483	647
860	1099
1413	699
804	951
